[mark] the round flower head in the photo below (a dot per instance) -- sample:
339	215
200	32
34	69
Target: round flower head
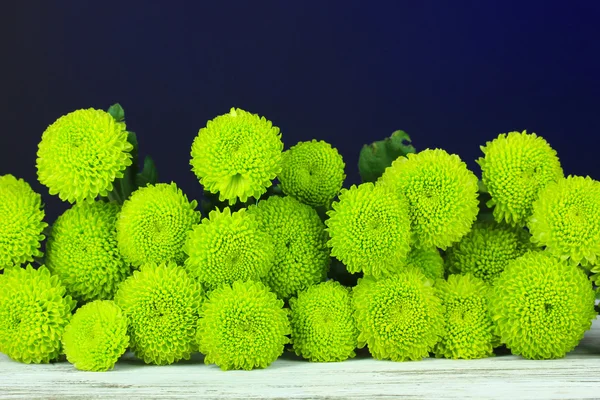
487	249
370	230
323	328
96	336
228	247
399	317
298	234
82	251
542	306
237	155
242	326
34	311
515	168
312	172
428	261
154	223
442	195
469	326
161	303
566	219
82	153
21	222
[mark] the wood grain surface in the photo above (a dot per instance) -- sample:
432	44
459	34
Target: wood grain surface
502	377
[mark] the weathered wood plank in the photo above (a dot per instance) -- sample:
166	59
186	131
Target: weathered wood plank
576	376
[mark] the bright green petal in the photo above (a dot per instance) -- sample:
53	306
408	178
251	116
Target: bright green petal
369	230
298	234
34	311
323	327
227	247
515	168
400	318
441	193
162	304
237	155
96	336
154	224
487	249
469	327
82	251
82	153
312	172
566	220
242	326
542	306
21	222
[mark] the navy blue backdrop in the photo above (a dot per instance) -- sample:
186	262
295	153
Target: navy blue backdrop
453	74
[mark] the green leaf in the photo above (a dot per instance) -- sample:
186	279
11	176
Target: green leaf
149	175
117	112
132	139
376	157
127	183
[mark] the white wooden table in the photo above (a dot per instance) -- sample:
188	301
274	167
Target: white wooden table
502	377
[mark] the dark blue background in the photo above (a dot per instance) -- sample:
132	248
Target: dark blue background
453	74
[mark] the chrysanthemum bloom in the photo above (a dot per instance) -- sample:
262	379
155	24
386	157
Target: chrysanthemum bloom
370	230
96	336
161	303
428	260
82	251
400	318
154	223
487	249
469	327
566	219
237	155
442	195
542	306
323	327
298	234
34	311
21	222
242	326
312	172
82	153
227	247
515	168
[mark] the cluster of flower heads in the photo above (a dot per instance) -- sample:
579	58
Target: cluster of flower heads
247	280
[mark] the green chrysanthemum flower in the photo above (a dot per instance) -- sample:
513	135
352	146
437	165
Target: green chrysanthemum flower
82	153
487	249
298	234
542	306
237	155
442	195
96	336
34	311
428	261
566	219
227	247
242	326
162	303
370	230
21	222
312	172
82	251
154	223
469	326
400	318
323	327
515	168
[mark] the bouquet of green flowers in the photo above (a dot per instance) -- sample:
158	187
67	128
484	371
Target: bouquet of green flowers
423	258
